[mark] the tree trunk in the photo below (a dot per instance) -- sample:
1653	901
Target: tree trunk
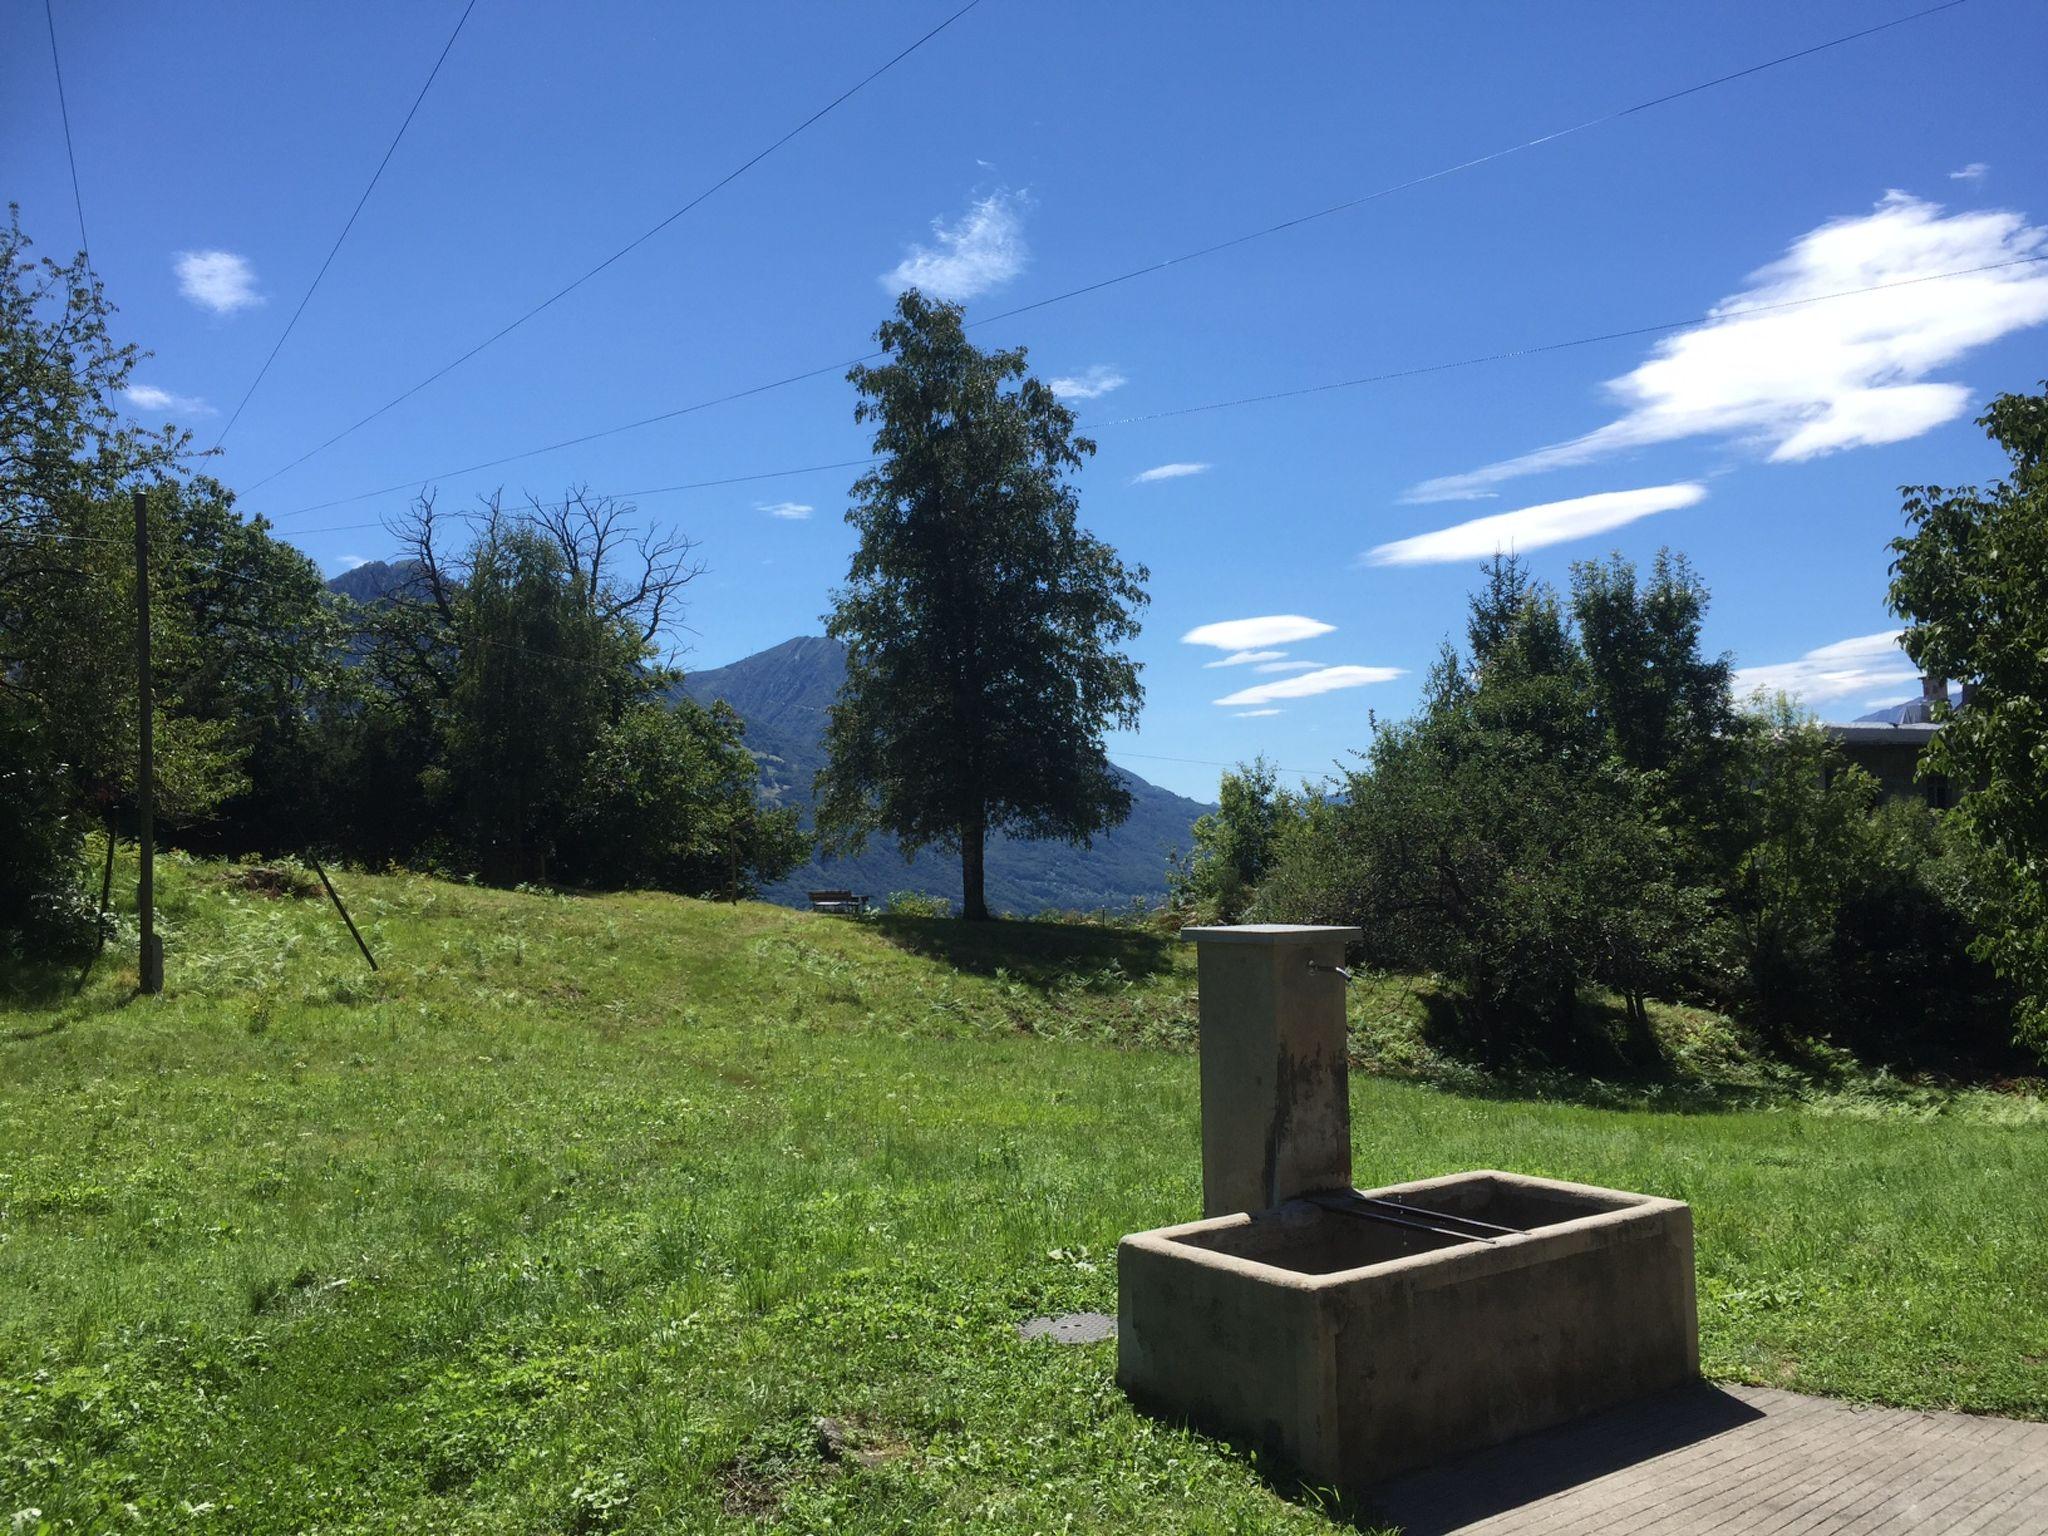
973	900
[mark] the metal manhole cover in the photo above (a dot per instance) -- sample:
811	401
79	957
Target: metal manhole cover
1070	1328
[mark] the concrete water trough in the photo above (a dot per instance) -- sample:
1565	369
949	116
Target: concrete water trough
1358	1334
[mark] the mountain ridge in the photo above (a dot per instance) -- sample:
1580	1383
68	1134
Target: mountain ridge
784	694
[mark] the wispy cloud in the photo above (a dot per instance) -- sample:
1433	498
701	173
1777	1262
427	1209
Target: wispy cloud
1245	658
346	563
1976	170
1526	528
1287	666
1308	684
147	397
1169	472
1258	714
1833	671
982	249
1090	384
1256	635
1800	382
789	511
217	280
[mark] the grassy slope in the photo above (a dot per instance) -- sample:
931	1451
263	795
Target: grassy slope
579	1214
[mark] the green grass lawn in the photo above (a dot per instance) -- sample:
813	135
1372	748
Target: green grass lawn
581	1213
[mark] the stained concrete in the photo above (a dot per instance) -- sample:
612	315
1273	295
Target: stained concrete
1355	1337
1276	1108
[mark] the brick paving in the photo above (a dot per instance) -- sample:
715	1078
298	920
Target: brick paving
1741	1461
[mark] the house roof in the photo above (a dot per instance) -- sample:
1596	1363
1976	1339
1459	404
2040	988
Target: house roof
1868	734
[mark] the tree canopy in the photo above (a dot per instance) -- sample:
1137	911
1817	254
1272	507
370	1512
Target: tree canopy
1971	582
1578	807
984	626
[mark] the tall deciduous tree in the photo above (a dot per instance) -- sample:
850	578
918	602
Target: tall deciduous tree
68	460
1971	582
1667	707
1234	844
983	625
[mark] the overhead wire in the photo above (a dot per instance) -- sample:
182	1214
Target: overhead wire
70	154
1203	762
216	568
1510	354
563	292
354	213
1711	317
1152	268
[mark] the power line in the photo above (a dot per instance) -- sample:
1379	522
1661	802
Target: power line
23	535
351	224
1466	165
64	110
1510	354
254	579
1662	326
1203	762
1147	270
654	490
563	292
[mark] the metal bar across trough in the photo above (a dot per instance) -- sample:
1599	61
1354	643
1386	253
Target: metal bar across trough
1468	1221
1357	1205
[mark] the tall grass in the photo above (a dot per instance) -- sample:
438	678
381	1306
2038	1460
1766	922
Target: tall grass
581	1213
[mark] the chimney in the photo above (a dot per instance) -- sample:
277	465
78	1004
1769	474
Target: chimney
1933	691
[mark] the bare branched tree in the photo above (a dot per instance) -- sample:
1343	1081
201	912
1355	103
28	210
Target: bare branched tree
418	624
631	575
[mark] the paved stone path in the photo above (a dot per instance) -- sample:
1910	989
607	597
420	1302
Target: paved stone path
1741	1461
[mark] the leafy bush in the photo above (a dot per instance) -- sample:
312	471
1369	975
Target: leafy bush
1234	845
1971	580
1579	807
44	907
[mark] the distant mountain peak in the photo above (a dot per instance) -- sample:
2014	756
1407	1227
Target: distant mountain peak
1910	712
373	579
784	694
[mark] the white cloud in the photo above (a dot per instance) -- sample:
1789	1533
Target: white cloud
217	280
1251	634
147	397
1976	170
1526	528
1821	377
789	511
1244	658
1169	472
347	563
1307	684
1257	714
1833	671
1287	666
982	249
1089	384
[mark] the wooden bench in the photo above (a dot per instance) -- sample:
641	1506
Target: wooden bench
843	903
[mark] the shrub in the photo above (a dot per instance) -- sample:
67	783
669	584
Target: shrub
917	904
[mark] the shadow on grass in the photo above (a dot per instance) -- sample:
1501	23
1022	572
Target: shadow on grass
1606	1062
1041	955
38	987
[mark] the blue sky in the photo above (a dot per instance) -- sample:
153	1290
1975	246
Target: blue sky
1028	150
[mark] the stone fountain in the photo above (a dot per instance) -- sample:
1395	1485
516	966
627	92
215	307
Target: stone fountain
1356	1334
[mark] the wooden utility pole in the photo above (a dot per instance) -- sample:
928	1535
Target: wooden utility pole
152	958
